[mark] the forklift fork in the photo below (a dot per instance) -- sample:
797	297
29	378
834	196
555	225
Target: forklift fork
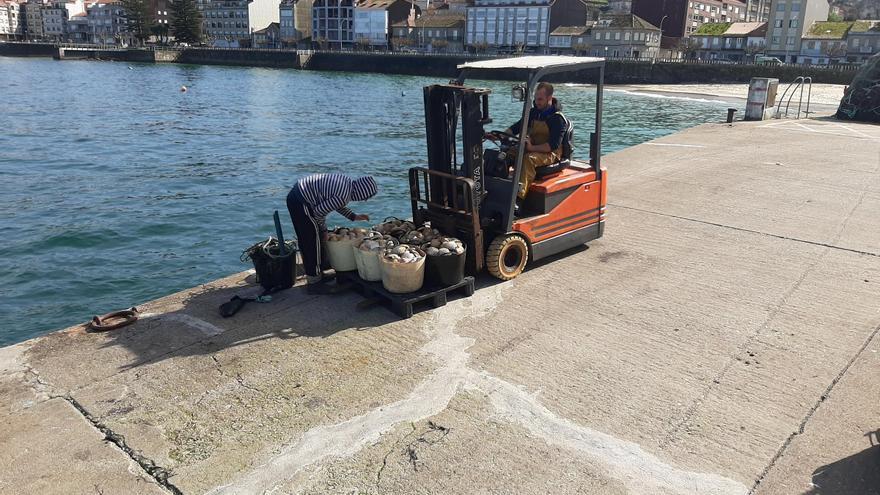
451	205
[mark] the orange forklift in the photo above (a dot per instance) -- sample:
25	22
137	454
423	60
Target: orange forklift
471	191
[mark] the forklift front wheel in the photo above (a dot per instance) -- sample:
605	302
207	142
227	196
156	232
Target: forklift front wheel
507	256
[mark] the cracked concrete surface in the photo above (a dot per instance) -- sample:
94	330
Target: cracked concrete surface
721	338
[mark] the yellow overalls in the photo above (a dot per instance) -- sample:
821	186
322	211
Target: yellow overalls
539	133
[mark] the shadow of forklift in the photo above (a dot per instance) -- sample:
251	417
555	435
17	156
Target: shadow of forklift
471	193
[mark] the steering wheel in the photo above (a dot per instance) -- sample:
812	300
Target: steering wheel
505	136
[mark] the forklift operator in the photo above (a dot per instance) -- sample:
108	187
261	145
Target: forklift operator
544	138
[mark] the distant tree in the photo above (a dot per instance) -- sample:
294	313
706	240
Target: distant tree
480	46
160	31
834	50
439	45
186	21
833	16
689	46
363	43
581	48
139	19
753	49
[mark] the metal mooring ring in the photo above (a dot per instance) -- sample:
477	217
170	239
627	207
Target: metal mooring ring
118	319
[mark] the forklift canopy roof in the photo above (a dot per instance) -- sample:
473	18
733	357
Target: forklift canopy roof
556	63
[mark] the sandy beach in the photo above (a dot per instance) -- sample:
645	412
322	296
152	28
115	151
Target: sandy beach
822	94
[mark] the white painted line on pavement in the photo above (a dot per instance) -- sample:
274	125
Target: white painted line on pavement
677	145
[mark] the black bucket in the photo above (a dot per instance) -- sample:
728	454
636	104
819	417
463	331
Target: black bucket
274	271
444	271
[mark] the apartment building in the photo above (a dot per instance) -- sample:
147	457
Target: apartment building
439	30
613	35
863	41
333	23
295	21
679	18
738	41
11	20
789	21
33	20
758	10
107	22
373	19
502	23
230	23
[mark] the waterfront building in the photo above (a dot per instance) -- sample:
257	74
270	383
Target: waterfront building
514	25
623	35
789	21
231	23
737	41
107	22
373	20
77	29
677	19
4	20
439	30
758	10
570	39
56	14
159	11
11	20
332	23
824	43
295	19
33	20
863	41
268	37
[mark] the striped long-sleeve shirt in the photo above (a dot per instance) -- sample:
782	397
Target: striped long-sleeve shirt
330	192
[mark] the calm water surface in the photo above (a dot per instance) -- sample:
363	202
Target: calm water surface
118	188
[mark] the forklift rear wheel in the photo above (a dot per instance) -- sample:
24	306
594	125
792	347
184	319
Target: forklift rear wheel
507	256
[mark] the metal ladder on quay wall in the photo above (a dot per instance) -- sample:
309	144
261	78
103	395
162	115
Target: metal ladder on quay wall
793	88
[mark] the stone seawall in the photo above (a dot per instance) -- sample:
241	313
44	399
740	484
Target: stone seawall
617	71
27	49
444	66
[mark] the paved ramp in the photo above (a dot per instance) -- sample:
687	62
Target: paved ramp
720	339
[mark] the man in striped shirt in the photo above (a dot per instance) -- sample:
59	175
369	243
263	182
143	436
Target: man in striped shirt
311	200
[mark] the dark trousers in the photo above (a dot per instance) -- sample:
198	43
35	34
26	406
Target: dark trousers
308	234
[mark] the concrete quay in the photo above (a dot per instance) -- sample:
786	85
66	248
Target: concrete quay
720	339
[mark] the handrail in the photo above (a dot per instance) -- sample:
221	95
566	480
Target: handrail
798	83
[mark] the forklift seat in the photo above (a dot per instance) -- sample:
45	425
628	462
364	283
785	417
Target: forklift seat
565	161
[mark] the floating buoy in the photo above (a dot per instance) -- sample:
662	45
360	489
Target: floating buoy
183	89
130	68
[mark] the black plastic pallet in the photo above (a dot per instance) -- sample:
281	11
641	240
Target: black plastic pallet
402	304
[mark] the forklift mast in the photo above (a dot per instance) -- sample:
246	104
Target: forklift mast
449	192
445	106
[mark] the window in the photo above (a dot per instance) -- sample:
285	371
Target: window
778	23
626	36
793	23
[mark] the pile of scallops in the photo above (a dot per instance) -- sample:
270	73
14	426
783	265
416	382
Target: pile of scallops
444	246
347	234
